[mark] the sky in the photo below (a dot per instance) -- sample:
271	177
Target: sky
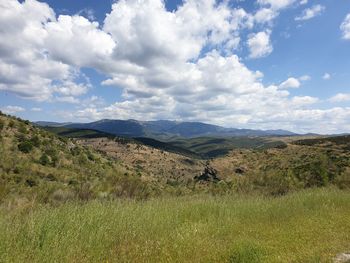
260	64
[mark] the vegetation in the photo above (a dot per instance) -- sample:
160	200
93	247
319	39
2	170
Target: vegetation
114	199
309	226
209	147
78	133
36	165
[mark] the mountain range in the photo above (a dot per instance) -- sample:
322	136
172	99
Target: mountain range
165	129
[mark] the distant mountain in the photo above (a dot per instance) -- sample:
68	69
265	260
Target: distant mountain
51	123
164	129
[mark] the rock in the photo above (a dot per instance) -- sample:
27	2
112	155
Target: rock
209	175
239	171
342	258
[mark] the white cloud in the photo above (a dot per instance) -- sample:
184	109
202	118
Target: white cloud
46	51
340	97
304	100
345	27
303	2
169	65
265	15
311	12
259	44
305	78
326	76
74	40
290	83
12	109
36	109
67	99
277	4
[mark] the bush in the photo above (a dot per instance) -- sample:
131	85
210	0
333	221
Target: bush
2	125
22	128
35	141
44	159
52	152
11	124
25	146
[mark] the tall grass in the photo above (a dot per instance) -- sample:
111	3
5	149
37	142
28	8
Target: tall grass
309	226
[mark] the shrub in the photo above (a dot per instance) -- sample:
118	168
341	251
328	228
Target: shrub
25	146
52	152
31	182
22	128
44	159
11	124
2	125
35	141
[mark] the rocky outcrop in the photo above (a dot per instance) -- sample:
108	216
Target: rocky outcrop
208	175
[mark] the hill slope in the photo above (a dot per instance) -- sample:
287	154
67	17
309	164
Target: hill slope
36	164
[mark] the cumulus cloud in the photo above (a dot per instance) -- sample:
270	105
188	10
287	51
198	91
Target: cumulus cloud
326	76
36	109
12	109
345	27
311	12
290	83
277	4
265	15
47	49
340	97
169	65
305	78
259	44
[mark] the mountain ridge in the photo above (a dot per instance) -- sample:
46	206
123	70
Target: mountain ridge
167	128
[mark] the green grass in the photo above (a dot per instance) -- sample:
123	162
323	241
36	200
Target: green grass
309	226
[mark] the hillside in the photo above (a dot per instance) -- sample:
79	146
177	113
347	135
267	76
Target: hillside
68	199
164	167
200	147
36	164
212	147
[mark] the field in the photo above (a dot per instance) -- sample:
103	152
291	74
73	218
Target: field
309	226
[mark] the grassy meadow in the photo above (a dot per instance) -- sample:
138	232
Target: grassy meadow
307	226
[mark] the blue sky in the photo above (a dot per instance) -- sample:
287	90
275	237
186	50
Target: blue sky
267	64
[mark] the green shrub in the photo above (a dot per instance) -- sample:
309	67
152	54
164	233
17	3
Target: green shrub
52	152
35	141
25	146
11	124
2	125
22	128
44	159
